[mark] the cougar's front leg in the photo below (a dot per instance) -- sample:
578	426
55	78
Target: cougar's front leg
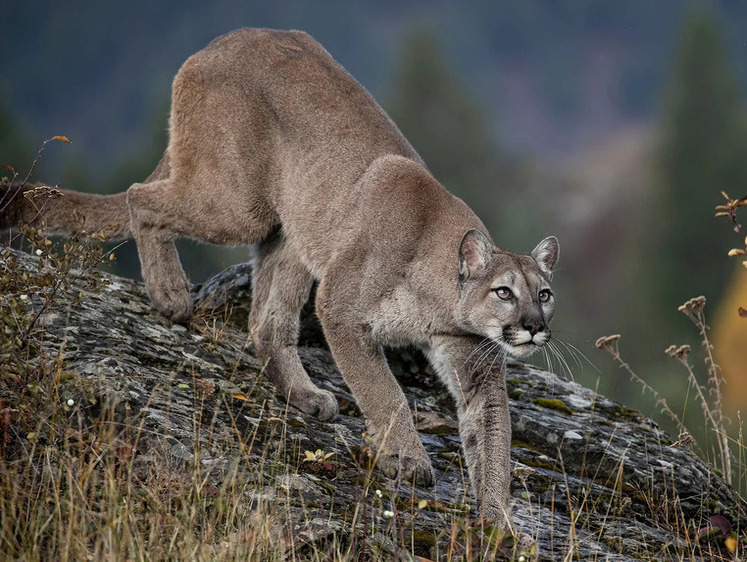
473	371
364	368
151	219
280	287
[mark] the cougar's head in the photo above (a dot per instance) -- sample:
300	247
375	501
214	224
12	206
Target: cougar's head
504	296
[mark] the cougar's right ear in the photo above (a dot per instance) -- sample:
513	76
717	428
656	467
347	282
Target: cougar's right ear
475	250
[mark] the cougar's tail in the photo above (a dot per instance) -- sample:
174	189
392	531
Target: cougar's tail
66	212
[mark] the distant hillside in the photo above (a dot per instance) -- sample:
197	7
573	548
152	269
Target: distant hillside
551	75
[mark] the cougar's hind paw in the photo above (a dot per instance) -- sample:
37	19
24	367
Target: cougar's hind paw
173	304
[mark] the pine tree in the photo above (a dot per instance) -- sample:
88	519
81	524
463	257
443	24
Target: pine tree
444	124
15	151
704	151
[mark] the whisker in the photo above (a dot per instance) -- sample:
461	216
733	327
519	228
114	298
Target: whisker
573	353
561	358
485	342
547	359
497	355
484	356
574	350
505	358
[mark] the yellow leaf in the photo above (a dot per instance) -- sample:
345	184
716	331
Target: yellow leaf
309	456
60	138
422	504
736	252
731	544
721	214
240	397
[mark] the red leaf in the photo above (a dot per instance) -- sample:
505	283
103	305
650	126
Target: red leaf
124	452
721	523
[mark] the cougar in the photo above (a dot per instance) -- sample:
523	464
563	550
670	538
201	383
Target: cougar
273	144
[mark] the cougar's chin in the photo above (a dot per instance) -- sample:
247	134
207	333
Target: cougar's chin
522	350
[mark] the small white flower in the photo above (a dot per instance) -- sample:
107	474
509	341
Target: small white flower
388	513
24	297
38	252
522	558
378	493
70	402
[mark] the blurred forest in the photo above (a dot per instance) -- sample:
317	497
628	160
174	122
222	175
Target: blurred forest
613	125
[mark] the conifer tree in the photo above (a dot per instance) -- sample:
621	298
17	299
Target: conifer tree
703	152
444	124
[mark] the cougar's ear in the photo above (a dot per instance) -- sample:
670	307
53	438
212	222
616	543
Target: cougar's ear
546	254
475	250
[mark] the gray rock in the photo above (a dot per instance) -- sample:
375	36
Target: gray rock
585	466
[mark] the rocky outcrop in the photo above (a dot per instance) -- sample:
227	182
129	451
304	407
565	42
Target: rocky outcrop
592	479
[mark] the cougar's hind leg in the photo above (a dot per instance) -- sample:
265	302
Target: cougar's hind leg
281	286
152	220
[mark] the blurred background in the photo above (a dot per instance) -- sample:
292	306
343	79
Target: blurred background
612	125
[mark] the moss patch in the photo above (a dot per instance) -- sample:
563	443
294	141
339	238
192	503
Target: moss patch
523	445
625	413
555	404
539	463
423	543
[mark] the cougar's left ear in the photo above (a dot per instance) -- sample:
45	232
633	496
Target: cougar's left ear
546	254
474	254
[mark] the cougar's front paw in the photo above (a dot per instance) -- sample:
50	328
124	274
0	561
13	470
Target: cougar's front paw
175	304
317	402
500	512
407	466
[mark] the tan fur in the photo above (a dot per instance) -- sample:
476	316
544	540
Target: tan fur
273	143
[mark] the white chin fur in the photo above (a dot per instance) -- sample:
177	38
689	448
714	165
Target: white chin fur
521	351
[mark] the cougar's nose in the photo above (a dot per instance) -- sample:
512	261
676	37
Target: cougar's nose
533	325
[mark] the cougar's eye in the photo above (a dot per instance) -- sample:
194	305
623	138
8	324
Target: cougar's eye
504	293
544	295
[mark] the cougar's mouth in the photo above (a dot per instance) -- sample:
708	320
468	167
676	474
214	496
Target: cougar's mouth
520	343
522	349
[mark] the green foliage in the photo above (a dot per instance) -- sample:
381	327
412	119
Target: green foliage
704	151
